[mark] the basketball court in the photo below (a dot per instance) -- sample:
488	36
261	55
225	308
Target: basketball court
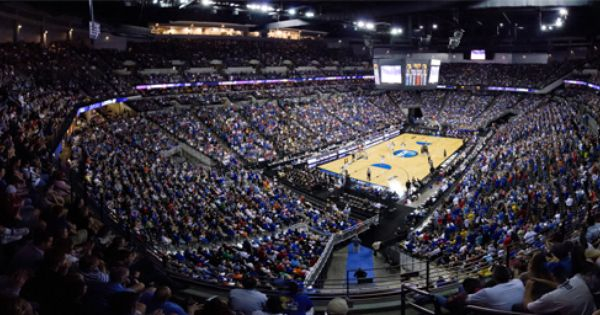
391	163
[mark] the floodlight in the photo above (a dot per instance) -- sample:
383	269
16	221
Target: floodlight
563	11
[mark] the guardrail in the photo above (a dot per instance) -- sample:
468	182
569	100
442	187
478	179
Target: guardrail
404	303
335	239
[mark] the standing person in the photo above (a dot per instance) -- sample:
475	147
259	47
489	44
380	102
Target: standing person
368	174
247	299
298	302
360	274
356	243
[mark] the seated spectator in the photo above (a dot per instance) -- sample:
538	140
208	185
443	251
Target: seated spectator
538	281
502	295
456	303
32	254
93	269
215	306
298	303
272	307
247	299
119	281
159	300
574	296
337	306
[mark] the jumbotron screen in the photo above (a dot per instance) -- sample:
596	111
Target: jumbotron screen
406	73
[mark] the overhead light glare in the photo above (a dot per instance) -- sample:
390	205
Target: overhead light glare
563	11
559	22
435	26
396	31
292	11
309	14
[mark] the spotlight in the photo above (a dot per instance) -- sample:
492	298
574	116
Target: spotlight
360	24
420	27
207	3
559	22
544	27
434	26
370	26
396	31
309	14
501	24
563	11
292	11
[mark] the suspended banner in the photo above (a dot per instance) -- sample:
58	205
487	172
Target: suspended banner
249	82
94	30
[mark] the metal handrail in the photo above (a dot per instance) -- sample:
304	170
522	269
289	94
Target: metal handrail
404	303
335	239
486	310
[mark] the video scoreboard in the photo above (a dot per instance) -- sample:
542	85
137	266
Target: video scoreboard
402	73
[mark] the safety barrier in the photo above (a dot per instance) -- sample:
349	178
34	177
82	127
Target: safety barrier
335	239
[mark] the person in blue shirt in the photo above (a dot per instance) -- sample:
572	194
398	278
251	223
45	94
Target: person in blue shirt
299	303
160	300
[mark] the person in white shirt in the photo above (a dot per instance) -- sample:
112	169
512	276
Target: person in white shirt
503	295
573	297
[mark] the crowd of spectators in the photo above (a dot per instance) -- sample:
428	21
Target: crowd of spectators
533	185
514	75
179	206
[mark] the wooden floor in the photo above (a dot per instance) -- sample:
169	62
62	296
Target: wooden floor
391	167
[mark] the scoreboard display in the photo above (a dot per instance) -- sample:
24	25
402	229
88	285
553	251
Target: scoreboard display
400	73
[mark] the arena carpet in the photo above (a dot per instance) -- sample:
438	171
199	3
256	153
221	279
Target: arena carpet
391	165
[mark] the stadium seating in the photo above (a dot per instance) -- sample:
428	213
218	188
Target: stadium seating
125	190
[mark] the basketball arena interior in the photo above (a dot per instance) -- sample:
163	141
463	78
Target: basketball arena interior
222	157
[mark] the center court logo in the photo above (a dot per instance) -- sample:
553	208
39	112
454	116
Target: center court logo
405	153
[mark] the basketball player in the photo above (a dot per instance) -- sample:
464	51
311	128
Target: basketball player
368	174
383	159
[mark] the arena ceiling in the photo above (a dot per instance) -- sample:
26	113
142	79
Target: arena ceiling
486	23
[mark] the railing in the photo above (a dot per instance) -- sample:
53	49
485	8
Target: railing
405	303
316	270
490	311
421	273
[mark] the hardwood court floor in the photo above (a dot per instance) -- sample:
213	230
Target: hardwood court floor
392	167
